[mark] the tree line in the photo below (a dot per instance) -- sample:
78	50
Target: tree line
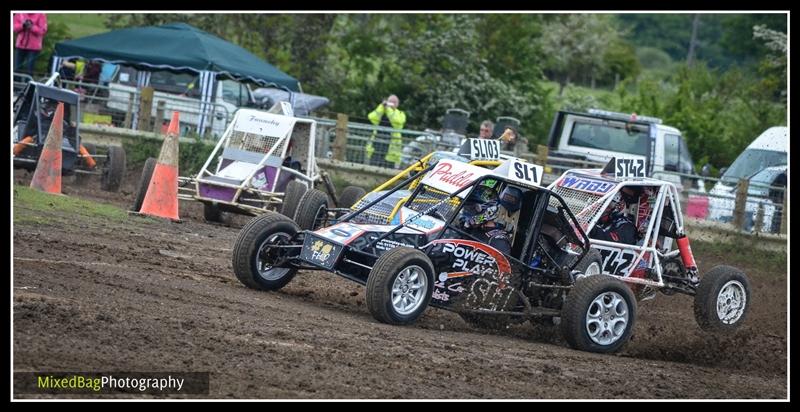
721	79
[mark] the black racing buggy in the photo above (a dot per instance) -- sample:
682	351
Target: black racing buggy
429	259
34	110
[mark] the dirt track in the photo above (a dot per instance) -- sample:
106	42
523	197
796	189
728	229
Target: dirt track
148	295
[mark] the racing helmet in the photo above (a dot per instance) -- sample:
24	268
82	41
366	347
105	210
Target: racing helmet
483	192
615	208
511	198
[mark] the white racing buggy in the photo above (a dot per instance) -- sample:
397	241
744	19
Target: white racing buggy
637	235
436	254
265	160
315	214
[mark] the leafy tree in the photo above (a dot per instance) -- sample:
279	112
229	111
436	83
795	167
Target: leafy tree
575	45
56	32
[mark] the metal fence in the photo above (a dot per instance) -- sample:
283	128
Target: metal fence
745	205
126	107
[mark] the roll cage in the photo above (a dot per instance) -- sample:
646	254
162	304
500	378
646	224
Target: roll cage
524	248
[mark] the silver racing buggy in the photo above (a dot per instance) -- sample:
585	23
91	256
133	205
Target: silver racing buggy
265	160
428	257
655	255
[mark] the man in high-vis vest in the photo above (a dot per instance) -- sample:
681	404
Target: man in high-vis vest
387	114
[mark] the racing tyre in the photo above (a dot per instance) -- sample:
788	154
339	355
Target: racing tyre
400	286
144	183
598	314
312	210
114	170
291	198
591	264
253	255
82	178
351	195
722	299
211	213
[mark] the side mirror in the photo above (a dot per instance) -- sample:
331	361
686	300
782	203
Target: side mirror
706	170
722	171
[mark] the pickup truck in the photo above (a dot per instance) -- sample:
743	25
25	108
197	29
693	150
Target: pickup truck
180	93
599	135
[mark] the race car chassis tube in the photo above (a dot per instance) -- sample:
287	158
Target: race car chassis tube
384	196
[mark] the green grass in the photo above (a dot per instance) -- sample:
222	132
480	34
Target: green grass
33	206
80	24
740	253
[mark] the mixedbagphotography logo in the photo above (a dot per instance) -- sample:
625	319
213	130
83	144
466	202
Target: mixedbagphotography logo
190	383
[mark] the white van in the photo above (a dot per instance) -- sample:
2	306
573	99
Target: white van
764	162
599	135
178	92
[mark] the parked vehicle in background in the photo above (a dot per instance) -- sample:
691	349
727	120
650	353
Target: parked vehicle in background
764	163
180	92
303	104
599	135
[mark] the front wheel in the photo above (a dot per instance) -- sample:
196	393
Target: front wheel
400	286
599	314
312	212
722	299
114	171
256	260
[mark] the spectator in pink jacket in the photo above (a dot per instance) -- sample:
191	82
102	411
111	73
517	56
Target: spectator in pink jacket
30	29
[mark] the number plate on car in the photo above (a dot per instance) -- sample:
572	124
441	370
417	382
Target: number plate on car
320	251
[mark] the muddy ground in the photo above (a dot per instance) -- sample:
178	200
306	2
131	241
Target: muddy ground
94	294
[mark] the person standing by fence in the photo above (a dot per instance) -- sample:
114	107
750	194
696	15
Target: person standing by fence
486	130
30	29
389	115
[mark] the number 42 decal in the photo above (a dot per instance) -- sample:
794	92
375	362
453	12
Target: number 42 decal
615	261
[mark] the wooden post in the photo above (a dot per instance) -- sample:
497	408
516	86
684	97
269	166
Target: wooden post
159	116
758	225
129	112
145	109
784	211
340	141
740	205
542	152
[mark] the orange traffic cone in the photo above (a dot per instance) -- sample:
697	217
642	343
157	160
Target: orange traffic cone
47	176
161	198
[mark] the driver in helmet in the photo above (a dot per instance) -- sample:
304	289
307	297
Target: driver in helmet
492	217
615	225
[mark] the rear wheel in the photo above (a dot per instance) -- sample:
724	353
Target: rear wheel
312	211
144	183
114	171
722	299
598	314
255	254
291	198
351	195
400	286
212	213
